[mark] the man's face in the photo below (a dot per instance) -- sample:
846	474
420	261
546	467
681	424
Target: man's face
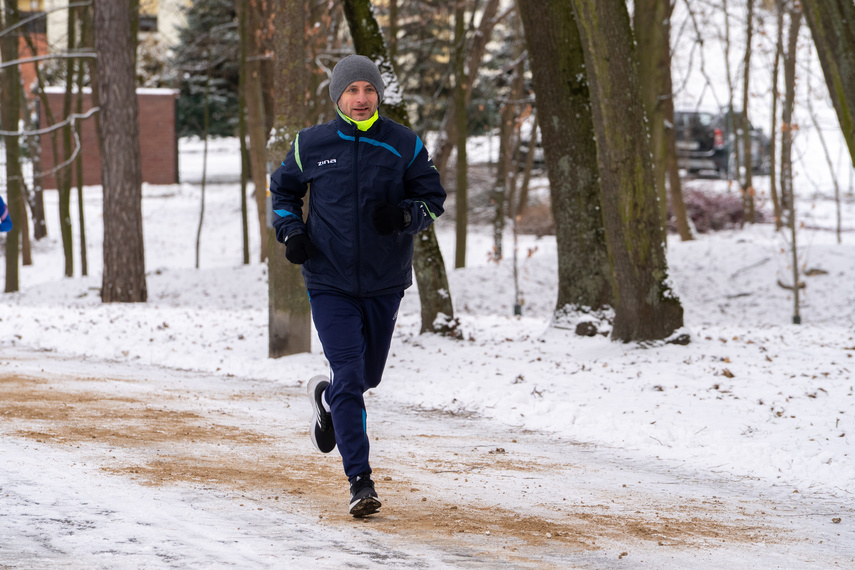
359	101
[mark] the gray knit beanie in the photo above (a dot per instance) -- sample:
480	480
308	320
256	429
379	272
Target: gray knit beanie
355	68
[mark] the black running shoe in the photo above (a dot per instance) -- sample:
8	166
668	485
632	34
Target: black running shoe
363	497
321	431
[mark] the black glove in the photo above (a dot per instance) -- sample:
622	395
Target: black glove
298	248
389	218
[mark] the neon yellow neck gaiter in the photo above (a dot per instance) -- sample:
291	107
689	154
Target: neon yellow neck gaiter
361	125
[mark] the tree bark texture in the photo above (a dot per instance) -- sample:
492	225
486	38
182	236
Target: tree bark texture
503	173
290	313
85	18
564	114
434	294
675	185
461	118
63	176
787	201
787	190
645	307
256	124
263	24
242	16
832	25
9	113
124	260
652	41
747	187
653	29
773	148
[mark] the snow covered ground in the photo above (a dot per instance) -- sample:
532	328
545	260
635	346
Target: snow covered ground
160	435
753	402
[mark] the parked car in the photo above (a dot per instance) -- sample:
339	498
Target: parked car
706	143
525	143
539	159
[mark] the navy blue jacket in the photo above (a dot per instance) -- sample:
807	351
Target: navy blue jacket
350	171
5	218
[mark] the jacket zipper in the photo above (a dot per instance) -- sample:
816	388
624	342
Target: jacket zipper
356	209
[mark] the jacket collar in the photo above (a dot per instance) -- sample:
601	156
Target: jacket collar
347	125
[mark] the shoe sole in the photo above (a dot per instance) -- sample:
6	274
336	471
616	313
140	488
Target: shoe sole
313	383
365	506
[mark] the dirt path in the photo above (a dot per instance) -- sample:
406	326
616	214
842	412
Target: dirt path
457	491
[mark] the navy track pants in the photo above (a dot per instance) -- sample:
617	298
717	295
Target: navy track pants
356	333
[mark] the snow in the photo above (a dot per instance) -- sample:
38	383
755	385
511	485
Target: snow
140	90
751	398
747	430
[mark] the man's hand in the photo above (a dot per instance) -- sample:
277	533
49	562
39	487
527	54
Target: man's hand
298	249
389	218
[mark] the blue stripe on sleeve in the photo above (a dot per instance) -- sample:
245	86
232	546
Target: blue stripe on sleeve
419	146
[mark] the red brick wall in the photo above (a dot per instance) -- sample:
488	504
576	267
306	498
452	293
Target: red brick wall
28	70
158	142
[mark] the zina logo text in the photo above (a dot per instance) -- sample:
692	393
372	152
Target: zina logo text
327	161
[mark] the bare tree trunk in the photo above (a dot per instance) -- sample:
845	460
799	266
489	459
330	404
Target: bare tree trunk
509	142
92	64
34	197
557	60
265	33
652	25
85	36
461	118
256	125
787	195
63	176
733	159
45	109
832	25
674	184
448	135
205	125
787	205
258	152
503	171
124	259
773	180
818	128
528	168
748	182
9	113
522	201
27	196
26	248
437	309
290	314
40	231
646	308
648	18
241	9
